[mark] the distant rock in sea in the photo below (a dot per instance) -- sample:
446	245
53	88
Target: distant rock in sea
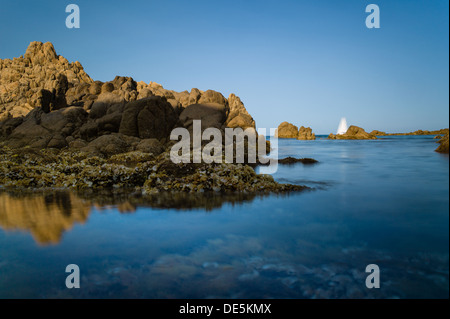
378	133
353	133
305	133
418	132
443	144
288	130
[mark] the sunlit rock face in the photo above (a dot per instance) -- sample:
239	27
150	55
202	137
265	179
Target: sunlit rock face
48	102
40	78
45	217
286	130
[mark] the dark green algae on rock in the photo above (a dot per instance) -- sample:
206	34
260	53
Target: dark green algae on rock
139	171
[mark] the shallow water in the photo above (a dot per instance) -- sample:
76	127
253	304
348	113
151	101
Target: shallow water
381	202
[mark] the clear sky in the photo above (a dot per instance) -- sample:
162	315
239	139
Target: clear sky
307	62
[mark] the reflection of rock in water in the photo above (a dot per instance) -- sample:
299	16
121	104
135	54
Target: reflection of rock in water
127	202
48	214
45	216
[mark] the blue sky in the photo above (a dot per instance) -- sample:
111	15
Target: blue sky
306	62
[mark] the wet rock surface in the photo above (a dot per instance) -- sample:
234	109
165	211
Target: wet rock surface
146	172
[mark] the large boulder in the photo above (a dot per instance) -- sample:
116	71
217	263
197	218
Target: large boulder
211	115
106	103
111	144
286	130
40	130
211	96
152	117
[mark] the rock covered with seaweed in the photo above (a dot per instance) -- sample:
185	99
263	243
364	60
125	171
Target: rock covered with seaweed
143	172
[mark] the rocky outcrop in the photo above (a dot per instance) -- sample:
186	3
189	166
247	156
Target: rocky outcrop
286	130
443	144
353	133
152	117
305	133
211	115
418	132
238	115
61	129
47	102
40	78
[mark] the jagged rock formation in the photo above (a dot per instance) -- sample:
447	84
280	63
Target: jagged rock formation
38	79
353	133
443	144
47	102
305	133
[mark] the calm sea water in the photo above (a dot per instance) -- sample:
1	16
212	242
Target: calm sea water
382	202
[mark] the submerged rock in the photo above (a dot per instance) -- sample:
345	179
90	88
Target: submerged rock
292	160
